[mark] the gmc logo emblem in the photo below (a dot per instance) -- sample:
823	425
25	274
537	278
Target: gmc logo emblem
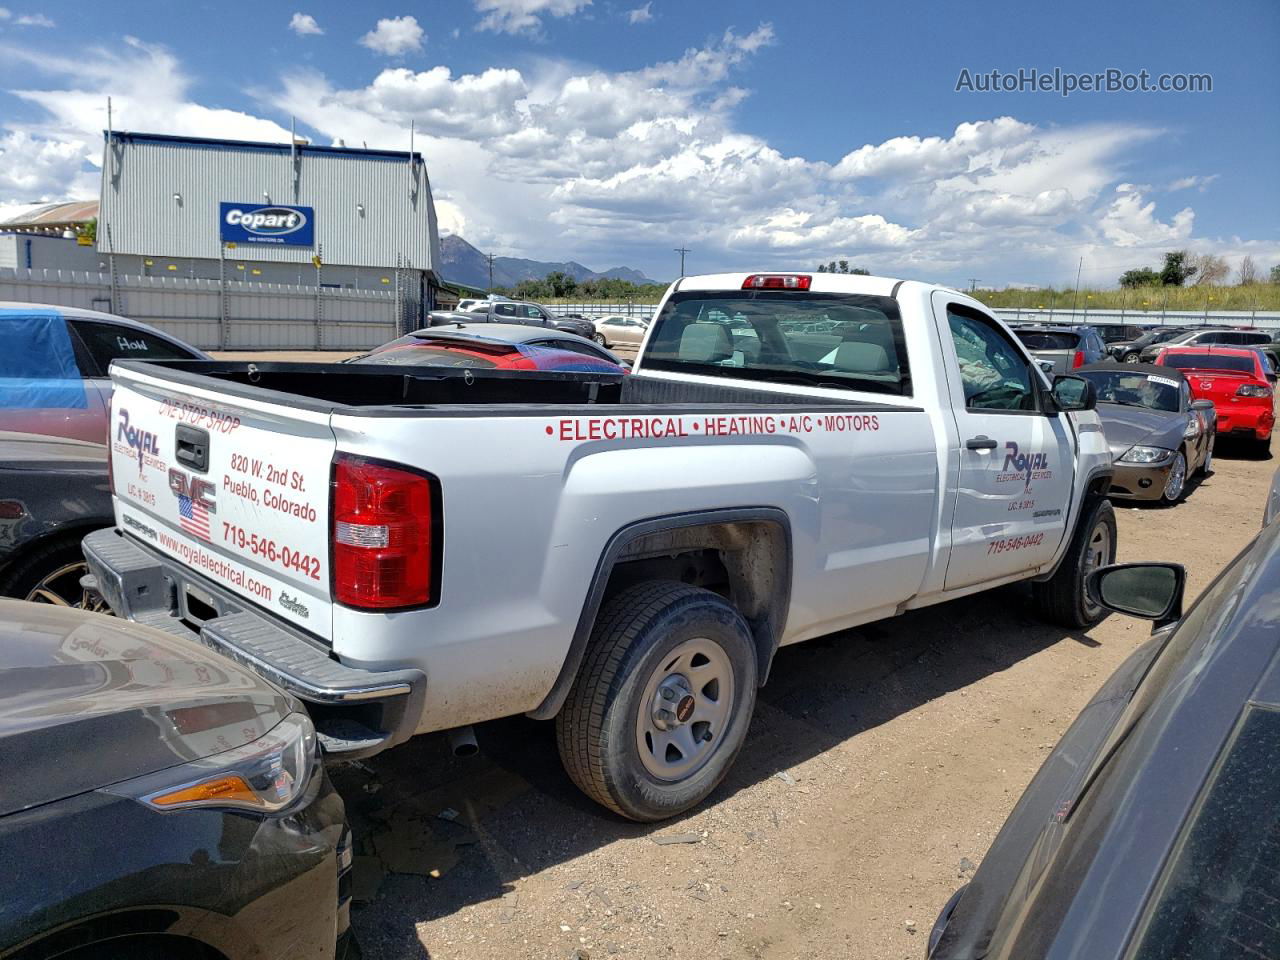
197	489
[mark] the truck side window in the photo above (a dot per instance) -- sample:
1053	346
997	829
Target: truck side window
995	376
107	341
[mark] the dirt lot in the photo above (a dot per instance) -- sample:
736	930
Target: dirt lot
880	764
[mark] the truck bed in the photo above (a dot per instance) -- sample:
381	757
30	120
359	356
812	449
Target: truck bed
367	388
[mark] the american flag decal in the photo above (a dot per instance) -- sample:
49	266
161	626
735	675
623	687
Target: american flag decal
193	517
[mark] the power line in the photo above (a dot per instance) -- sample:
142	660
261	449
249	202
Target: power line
973	284
682	251
489	257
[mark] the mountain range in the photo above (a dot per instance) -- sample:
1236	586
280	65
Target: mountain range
463	263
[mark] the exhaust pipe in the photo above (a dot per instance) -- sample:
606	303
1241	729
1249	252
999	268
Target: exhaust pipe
462	741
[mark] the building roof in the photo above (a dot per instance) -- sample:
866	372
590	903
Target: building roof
51	217
299	146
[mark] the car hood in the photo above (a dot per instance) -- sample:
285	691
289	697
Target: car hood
1126	426
87	700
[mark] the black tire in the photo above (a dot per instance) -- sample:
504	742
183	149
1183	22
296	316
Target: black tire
1261	448
1173	501
59	562
598	727
1061	599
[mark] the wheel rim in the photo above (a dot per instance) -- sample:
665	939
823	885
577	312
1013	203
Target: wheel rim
61	587
601	340
1132	358
685	710
1097	554
1177	478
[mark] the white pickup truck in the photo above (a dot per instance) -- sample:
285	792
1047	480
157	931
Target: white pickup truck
410	549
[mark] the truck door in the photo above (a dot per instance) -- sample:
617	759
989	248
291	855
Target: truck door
1016	460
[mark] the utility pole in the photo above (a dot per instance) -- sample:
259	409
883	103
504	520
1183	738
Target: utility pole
1076	295
682	251
973	284
489	257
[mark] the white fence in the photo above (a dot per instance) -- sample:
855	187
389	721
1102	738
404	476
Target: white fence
232	315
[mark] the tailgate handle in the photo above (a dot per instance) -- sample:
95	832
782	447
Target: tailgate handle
192	446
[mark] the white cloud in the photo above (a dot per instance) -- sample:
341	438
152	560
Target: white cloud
1129	222
36	168
5	13
33	20
1186	183
523	16
304	24
640	14
394	36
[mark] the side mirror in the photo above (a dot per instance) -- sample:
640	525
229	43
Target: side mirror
1202	405
1074	393
1152	591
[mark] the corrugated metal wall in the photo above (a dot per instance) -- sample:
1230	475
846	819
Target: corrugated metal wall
259	315
140	214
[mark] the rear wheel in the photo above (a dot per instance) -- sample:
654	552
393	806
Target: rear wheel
1132	358
1062	599
600	339
661	705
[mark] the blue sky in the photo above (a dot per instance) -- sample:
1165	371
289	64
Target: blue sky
757	134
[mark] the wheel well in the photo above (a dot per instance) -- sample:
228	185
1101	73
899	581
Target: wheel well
743	555
57	538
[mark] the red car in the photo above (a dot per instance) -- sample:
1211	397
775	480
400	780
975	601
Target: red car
1236	381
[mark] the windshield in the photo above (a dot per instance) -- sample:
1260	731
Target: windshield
1038	340
1209	361
823	340
1135	389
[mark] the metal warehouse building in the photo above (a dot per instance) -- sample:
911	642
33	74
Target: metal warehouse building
288	213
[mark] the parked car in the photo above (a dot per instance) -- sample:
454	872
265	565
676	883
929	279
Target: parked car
53	370
1208	337
617	329
1065	347
532	314
52	492
503	346
1118	332
1159	435
471	303
1150	831
1130	352
1235	380
159	800
656	536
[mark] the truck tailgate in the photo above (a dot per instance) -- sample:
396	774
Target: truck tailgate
236	489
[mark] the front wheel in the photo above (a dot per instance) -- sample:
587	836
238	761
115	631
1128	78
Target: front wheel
1062	599
600	339
1132	358
1176	482
662	702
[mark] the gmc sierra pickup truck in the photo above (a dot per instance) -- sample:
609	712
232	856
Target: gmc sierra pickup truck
418	549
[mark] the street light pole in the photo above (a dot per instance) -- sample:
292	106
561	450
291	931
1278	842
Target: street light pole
682	251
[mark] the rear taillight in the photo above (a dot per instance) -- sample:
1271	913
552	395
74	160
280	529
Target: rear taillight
1077	360
777	281
1253	390
384	535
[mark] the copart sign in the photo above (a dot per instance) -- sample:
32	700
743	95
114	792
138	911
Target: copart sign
271	223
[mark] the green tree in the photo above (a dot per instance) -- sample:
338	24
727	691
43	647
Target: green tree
1178	268
1144	277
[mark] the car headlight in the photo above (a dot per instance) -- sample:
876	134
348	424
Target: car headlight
1140	454
264	775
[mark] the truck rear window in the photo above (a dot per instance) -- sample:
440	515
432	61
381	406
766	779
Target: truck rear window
1035	340
841	341
1209	361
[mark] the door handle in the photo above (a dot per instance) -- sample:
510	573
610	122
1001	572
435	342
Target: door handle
980	443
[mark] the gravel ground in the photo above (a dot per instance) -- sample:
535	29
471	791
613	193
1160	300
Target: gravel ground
879	766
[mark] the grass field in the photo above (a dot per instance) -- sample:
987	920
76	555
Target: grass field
1258	296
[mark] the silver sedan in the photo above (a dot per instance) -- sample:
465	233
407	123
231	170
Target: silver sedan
616	328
